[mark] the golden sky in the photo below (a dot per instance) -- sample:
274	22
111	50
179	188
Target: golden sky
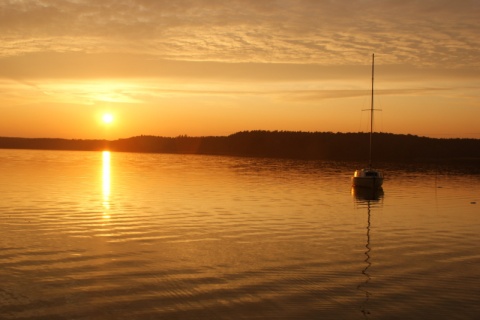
215	67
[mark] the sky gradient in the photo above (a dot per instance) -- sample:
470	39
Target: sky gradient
214	67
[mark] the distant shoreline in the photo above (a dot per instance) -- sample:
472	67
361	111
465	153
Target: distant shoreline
278	144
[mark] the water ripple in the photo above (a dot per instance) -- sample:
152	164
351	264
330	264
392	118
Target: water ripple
195	237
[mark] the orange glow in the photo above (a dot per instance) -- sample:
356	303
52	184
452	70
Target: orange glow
173	85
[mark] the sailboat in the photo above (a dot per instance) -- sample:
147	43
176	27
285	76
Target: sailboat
369	177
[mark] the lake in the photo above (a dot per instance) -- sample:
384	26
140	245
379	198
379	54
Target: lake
100	235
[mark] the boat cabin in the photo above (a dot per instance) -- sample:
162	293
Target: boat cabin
367	173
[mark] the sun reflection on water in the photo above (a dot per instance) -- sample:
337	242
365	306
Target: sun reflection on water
106	184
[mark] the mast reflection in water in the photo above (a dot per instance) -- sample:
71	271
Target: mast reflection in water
365	197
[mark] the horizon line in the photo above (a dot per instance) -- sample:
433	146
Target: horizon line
431	136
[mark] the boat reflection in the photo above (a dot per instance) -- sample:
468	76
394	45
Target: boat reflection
106	183
368	197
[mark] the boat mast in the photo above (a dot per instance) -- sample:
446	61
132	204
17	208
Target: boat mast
371	113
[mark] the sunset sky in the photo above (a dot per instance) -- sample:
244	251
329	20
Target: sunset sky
215	67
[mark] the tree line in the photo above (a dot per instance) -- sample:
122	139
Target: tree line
279	144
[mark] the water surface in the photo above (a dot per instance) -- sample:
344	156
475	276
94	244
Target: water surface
92	235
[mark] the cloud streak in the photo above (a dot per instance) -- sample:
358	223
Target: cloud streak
76	65
421	33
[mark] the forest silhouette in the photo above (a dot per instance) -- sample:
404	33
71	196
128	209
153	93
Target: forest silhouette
279	144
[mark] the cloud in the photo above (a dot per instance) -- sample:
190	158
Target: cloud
416	32
78	65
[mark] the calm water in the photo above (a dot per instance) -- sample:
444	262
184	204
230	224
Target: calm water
91	235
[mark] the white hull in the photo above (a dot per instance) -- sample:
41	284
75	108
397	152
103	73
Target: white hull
367	178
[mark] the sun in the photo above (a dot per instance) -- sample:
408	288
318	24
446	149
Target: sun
107	118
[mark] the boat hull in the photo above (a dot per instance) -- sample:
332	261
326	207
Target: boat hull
367	178
367	182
